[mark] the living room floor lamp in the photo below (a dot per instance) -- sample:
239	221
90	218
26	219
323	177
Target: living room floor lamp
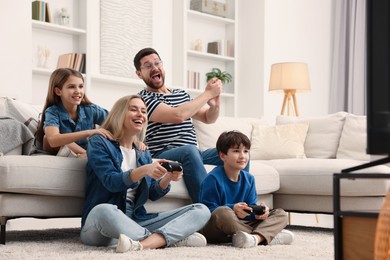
291	77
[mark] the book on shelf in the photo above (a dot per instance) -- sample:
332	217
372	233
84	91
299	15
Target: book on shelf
83	62
213	47
72	60
193	79
48	13
64	60
36	10
41	11
229	48
221	47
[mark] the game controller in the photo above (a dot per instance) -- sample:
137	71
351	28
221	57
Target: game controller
172	166
256	209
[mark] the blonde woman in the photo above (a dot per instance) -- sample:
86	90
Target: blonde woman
121	178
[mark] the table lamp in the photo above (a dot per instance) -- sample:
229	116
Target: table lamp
291	77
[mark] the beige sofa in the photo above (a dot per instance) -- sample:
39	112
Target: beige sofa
293	161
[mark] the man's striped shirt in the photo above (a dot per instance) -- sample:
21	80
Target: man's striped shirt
160	136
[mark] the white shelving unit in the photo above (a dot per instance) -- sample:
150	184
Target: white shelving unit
57	40
82	35
192	26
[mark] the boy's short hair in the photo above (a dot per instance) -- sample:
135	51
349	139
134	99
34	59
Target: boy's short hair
232	139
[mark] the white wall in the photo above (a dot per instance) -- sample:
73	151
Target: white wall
250	51
269	31
106	93
299	30
15	50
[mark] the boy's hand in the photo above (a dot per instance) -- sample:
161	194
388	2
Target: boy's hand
266	212
241	208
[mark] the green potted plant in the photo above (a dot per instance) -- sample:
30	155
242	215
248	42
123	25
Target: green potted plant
224	76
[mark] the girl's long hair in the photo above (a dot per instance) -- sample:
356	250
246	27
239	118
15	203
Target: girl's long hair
116	117
57	80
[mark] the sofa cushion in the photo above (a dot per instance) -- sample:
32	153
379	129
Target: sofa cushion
43	175
314	177
266	178
208	134
278	142
323	135
353	140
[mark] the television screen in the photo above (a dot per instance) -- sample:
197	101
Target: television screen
378	76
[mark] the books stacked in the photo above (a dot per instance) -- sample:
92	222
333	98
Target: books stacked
41	11
221	47
72	60
193	78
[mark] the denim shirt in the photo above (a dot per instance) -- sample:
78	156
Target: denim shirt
107	183
88	116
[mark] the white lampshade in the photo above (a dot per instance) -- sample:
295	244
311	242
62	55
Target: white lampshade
289	76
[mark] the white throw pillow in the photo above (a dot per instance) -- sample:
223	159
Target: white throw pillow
353	141
208	134
278	142
3	107
24	113
323	135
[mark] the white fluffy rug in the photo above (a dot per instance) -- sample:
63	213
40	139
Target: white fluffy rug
65	244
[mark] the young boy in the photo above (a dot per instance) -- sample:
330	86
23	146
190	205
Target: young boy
228	191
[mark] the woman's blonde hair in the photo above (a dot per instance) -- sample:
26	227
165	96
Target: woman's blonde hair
116	117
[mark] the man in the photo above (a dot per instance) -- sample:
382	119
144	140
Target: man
170	133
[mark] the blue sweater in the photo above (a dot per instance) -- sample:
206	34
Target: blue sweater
218	190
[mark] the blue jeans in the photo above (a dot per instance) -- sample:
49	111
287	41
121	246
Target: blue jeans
192	160
105	222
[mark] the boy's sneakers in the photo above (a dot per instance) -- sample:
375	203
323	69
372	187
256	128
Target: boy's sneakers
244	240
194	240
127	244
284	237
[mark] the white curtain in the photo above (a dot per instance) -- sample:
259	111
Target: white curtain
347	90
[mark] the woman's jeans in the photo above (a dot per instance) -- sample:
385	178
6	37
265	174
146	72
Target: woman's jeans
193	161
106	222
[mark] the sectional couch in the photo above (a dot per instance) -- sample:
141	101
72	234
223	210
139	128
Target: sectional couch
293	161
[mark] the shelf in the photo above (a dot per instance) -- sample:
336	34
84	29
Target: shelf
57	28
198	91
101	78
42	71
209	17
209	56
46	71
191	26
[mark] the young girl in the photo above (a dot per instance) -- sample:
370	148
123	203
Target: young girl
121	178
68	117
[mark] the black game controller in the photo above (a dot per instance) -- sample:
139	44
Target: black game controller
257	209
172	166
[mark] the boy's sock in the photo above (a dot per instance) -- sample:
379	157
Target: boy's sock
284	237
244	240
